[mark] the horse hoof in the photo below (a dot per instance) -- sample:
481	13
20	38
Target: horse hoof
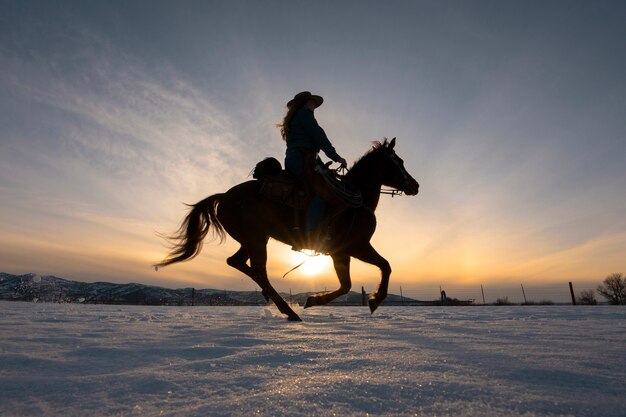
309	302
373	305
295	317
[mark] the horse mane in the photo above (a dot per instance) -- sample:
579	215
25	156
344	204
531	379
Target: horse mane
376	147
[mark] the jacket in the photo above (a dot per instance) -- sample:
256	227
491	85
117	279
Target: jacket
304	132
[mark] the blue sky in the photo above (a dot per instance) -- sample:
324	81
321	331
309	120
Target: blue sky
511	115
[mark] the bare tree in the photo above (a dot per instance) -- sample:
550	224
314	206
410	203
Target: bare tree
586	297
613	288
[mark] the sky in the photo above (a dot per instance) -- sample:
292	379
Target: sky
511	115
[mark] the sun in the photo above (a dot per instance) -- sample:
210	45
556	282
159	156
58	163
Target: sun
313	264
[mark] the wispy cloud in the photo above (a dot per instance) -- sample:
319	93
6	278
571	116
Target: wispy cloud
127	129
130	143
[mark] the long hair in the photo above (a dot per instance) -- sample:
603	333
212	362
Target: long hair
284	126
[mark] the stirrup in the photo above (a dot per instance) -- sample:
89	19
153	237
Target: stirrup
318	243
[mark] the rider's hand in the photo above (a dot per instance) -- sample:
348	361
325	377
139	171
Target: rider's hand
343	163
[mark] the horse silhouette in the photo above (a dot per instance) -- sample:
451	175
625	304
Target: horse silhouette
251	219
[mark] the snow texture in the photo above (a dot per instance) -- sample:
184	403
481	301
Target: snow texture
100	360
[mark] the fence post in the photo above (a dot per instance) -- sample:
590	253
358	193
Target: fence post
524	294
193	297
483	293
401	296
363	297
571	291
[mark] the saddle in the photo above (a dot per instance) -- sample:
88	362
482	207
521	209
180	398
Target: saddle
277	185
283	189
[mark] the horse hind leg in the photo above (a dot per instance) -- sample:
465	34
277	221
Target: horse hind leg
342	267
258	272
239	262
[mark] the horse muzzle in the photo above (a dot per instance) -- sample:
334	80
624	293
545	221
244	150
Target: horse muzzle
412	187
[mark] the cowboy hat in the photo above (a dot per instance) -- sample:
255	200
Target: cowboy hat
303	97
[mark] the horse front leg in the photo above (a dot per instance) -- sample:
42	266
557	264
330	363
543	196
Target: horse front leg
342	267
370	256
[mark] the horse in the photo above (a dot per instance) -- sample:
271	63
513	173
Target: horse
251	219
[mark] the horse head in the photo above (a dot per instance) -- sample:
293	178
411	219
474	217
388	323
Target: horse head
394	173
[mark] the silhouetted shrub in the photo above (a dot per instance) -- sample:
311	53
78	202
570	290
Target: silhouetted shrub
504	301
586	297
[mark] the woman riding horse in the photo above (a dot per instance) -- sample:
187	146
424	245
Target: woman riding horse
251	219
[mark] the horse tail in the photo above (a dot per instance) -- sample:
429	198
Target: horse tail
186	243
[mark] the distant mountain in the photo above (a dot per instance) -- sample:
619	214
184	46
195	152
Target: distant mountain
48	288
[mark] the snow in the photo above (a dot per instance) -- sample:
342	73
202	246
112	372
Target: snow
101	360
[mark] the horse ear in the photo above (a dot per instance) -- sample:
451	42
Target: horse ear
392	143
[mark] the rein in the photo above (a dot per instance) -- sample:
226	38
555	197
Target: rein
391	192
353	199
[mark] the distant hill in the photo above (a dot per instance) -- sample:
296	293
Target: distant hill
48	288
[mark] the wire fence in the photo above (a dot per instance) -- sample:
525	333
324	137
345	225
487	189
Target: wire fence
479	294
494	294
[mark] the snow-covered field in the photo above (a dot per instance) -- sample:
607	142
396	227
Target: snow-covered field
87	360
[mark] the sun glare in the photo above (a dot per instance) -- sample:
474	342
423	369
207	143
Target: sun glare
313	264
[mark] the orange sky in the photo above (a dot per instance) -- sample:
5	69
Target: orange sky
109	124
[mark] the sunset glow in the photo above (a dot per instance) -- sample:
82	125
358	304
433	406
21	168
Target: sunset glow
510	117
312	264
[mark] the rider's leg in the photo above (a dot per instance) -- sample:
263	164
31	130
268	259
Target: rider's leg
315	213
317	234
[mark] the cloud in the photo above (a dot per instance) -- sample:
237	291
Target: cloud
123	145
125	127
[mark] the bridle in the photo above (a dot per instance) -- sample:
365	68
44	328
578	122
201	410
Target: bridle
393	192
340	172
